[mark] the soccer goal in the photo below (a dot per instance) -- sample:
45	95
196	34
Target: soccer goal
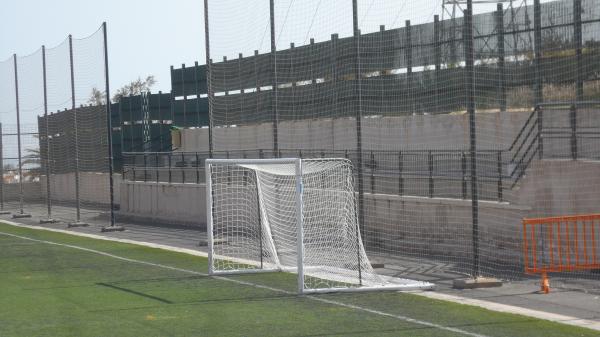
291	215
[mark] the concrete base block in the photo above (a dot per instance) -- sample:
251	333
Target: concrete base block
48	221
4	212
109	229
377	265
77	224
479	282
204	243
21	216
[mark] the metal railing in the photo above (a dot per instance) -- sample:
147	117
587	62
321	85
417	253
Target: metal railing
426	173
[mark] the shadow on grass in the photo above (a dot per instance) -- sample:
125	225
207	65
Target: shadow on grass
133	292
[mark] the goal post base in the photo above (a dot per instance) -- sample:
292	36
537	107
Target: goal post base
77	224
476	283
21	216
242	272
109	229
415	287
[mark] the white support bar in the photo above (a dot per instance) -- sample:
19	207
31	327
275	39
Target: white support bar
209	217
300	225
245	271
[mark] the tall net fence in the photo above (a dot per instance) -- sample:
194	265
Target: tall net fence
54	136
460	119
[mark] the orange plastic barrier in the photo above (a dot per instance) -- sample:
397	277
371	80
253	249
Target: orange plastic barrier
560	244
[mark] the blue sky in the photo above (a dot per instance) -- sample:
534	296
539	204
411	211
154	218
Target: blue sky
145	37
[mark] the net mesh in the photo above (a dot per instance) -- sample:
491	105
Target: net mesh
60	124
458	125
255	219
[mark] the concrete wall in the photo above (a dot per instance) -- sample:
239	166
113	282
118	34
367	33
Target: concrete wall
560	187
166	203
495	131
31	191
93	188
412	226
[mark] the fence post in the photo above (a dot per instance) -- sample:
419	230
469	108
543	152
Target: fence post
21	212
578	37
408	54
170	164
209	93
372	172
463	165
540	135
76	137
47	162
400	173
537	36
157	167
430	166
274	88
2	211
357	74
501	56
183	165
470	89
197	93
500	177
185	122
145	167
573	119
438	60
197	169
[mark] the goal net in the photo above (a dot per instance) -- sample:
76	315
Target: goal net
290	215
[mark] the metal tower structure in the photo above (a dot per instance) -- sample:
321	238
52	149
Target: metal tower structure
518	22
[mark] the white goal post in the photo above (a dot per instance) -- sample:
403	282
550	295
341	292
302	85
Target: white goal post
291	215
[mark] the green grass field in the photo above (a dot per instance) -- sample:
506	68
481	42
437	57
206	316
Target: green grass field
56	290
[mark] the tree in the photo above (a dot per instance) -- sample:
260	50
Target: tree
134	88
97	97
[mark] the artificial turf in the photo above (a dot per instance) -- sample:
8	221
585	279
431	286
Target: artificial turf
50	290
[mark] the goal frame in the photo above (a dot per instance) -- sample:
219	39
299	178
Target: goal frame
299	218
297	162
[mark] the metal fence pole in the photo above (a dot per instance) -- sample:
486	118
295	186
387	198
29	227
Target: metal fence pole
500	177
111	182
573	120
184	93
21	194
400	173
76	135
361	194
470	89
501	56
430	169
48	135
408	54
274	89
2	211
437	32
578	39
537	36
208	80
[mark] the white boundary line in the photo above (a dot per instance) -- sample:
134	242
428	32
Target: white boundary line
498	307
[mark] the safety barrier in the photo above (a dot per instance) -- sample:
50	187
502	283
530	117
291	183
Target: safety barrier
561	244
